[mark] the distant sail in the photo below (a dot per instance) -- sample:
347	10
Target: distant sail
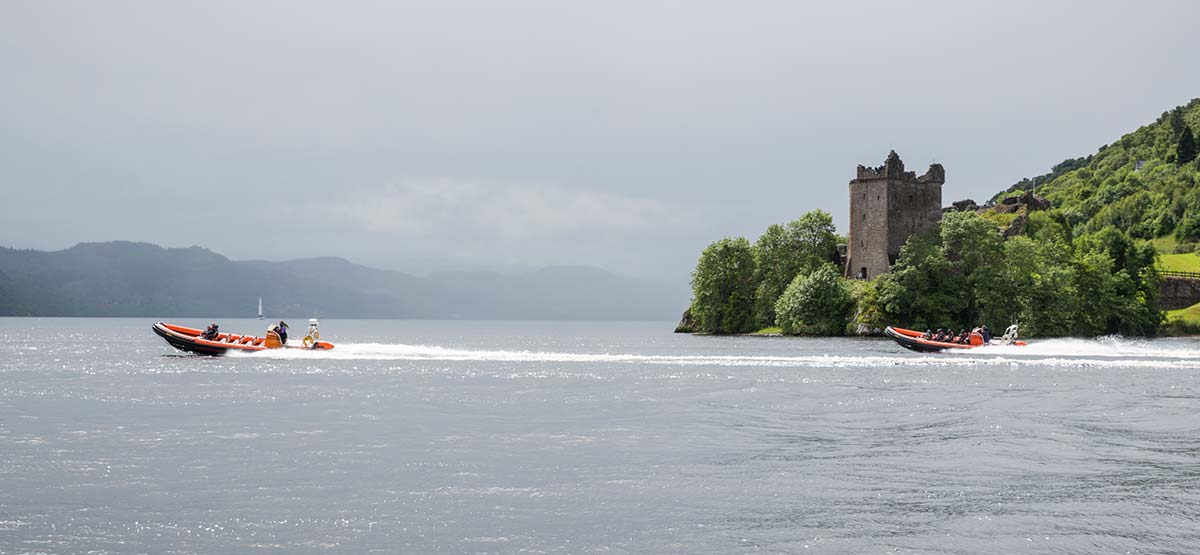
260	308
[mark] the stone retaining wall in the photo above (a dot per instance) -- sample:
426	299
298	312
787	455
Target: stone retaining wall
1178	293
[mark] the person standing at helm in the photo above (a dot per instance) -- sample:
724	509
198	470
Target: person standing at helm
281	329
312	335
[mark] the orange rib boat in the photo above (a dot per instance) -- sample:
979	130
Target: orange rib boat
188	339
912	340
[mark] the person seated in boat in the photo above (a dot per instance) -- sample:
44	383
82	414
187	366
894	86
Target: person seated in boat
961	338
927	335
281	329
977	330
211	332
937	335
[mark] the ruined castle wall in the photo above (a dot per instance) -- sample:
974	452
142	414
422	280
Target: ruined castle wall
868	228
912	208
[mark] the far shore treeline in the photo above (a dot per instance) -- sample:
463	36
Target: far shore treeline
1072	252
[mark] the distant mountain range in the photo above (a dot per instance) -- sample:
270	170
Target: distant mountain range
140	279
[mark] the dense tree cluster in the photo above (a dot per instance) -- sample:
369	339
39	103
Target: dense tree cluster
1185	147
963	274
736	286
815	304
1048	281
723	287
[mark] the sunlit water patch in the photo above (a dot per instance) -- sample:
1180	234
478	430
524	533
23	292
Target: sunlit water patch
560	437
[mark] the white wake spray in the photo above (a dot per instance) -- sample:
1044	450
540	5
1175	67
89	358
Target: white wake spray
1107	347
1101	353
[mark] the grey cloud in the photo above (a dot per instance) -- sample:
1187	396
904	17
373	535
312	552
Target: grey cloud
622	134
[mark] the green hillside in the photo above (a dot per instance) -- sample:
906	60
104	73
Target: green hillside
1144	183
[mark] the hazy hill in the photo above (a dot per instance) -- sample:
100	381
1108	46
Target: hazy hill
1138	183
140	279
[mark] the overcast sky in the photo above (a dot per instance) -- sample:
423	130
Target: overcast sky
624	135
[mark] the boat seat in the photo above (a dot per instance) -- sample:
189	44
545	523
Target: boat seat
233	338
248	339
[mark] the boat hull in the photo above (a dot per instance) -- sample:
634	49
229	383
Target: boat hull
188	340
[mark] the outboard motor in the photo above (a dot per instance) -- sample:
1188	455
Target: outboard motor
1010	335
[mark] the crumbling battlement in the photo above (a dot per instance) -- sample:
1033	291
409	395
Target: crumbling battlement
893	168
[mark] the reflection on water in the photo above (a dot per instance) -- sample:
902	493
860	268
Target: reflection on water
501	437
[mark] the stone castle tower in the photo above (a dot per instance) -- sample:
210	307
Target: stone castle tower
887	206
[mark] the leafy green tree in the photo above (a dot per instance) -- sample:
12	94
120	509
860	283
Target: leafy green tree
1004	297
974	247
869	315
1096	295
776	265
923	289
1175	119
1054	294
1188	228
1134	308
1185	149
783	252
723	287
1126	254
1033	287
816	304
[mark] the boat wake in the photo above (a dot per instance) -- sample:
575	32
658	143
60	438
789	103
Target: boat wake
1101	353
1106	347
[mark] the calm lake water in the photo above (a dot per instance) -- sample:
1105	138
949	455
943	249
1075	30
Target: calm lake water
554	437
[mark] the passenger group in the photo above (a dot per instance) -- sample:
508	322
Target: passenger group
961	338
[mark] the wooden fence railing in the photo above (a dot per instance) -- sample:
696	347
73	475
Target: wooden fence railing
1177	274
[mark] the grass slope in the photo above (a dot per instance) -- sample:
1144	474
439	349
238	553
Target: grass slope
1186	262
1184	321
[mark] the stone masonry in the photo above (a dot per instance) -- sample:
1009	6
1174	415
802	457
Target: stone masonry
887	206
